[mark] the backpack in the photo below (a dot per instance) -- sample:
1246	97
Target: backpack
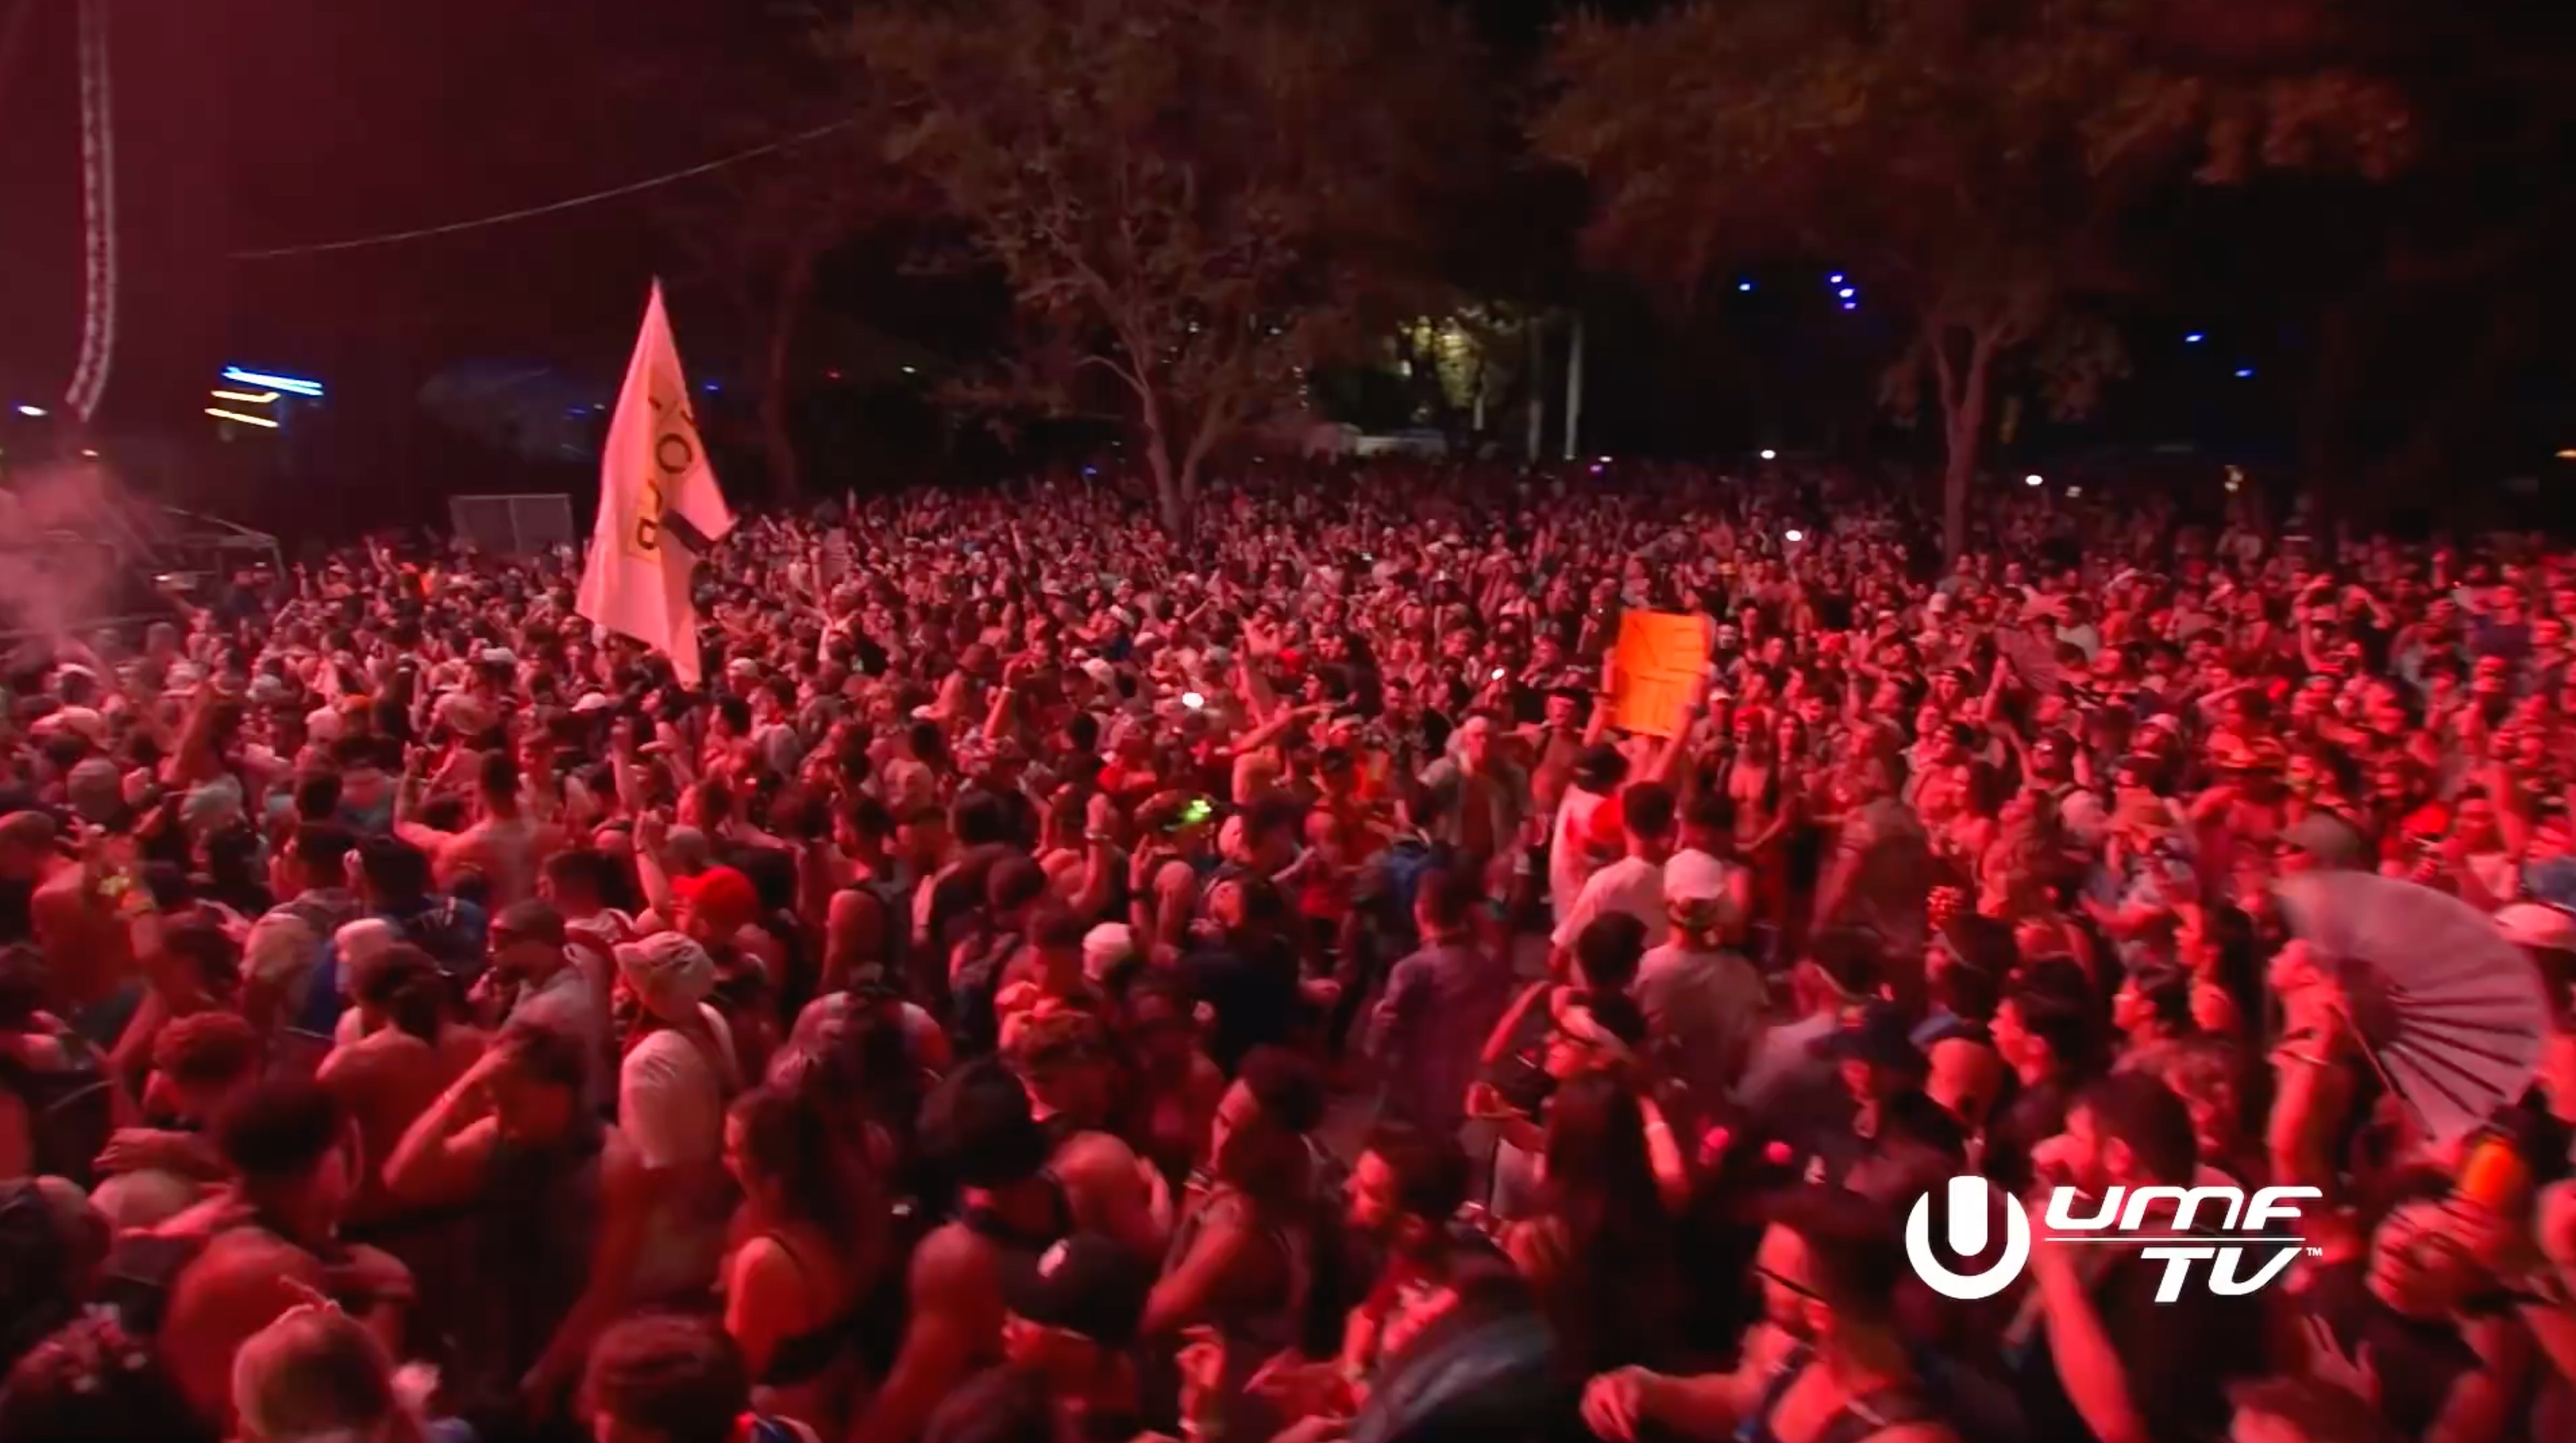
141	1272
70	1113
1390	933
448	935
894	942
972	996
1406	863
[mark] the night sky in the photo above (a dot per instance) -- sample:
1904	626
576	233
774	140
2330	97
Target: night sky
265	123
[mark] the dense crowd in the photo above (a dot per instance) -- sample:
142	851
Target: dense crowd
1055	981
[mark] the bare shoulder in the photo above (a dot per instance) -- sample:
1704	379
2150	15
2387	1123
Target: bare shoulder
249	1263
1086	1152
950	1264
760	1260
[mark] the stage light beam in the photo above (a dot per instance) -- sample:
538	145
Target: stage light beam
297	385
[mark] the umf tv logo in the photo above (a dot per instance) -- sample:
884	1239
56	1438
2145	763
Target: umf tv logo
2257	1223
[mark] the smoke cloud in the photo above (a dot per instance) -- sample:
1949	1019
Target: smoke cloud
70	537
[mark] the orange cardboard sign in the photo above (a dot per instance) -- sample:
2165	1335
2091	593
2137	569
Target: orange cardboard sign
1662	656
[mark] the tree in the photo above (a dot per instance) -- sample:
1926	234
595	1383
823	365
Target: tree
1969	161
760	241
1192	200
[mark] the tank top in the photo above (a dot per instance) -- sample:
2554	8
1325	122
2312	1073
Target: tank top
805	1356
1252	1332
1857	1421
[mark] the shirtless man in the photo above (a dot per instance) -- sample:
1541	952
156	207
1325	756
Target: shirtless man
270	1241
505	847
89	951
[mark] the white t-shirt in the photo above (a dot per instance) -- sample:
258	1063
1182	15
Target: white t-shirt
1569	864
1710	1005
1631	885
671	1098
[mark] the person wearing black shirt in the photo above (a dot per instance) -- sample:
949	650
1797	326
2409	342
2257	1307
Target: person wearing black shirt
1246	970
2094	1354
2388	1326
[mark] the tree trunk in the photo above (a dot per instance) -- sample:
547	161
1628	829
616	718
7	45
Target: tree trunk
777	432
1963	414
1169	501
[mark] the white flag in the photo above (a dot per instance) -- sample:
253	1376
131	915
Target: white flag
637	578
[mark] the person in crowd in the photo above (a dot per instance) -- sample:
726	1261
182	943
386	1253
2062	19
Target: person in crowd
560	1209
190	966
1065	1061
817	1232
1175	1087
200	1066
1601	1253
1633	885
1704	1004
670	1378
58	1094
2110	1357
546	973
1440	1004
93	1380
414	1049
1245	970
1157	833
317	1375
1827	1348
2153	1010
2046	1035
1068	1369
285	945
1788	1070
219	1272
978	1129
2399	1325
1243	1255
675	1077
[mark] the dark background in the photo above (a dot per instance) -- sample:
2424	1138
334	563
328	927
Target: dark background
263	123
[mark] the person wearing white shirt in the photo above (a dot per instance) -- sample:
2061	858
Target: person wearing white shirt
1597	775
1635	883
672	1086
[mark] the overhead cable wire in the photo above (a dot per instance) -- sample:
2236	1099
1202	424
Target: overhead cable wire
549	208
